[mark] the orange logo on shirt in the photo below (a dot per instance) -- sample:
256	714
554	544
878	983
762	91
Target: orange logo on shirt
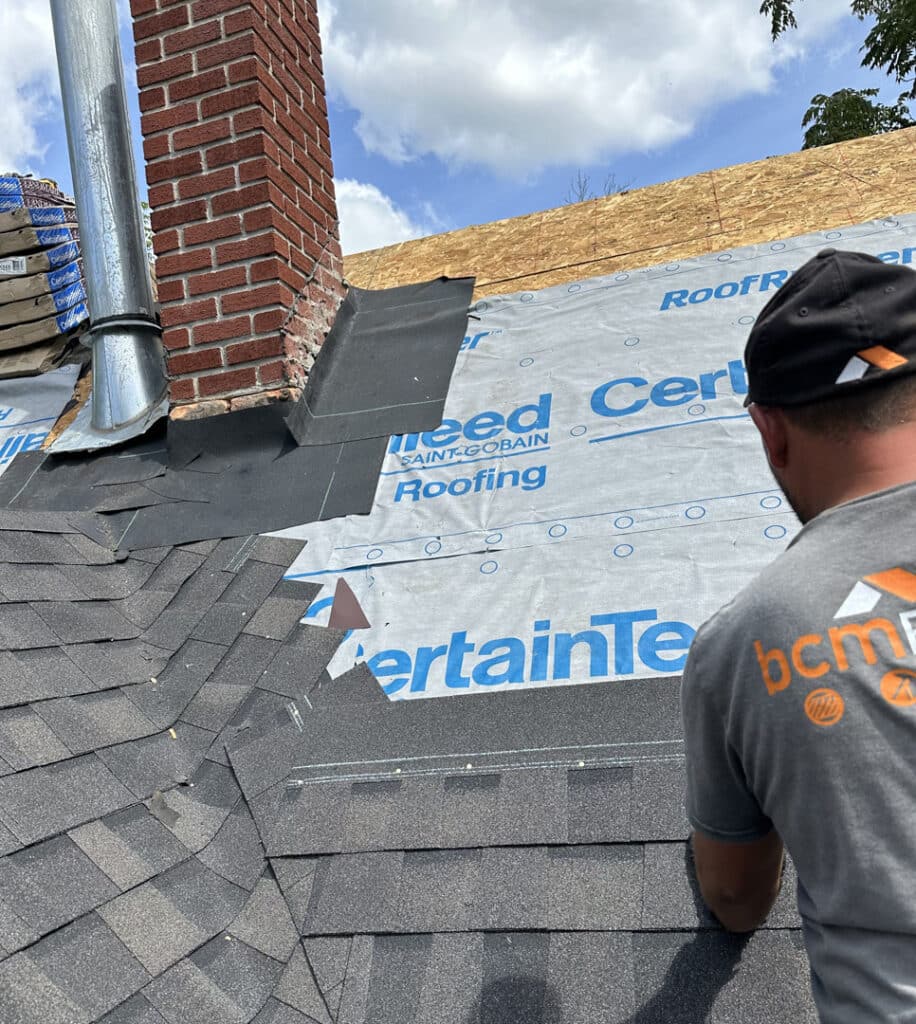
898	688
813	655
824	706
859	638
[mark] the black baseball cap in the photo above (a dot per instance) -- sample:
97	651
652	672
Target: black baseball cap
843	321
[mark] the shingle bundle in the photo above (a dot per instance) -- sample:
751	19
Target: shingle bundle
42	295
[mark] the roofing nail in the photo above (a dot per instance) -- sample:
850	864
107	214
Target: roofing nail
294	715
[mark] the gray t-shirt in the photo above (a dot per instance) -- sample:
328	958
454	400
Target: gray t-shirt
799	704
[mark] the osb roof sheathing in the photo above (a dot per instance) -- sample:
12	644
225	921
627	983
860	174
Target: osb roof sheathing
811	190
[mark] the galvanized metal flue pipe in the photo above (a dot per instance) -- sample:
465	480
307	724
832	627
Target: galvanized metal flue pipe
127	357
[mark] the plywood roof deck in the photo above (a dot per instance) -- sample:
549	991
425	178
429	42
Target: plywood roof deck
811	190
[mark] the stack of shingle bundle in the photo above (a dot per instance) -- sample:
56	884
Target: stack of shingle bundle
42	296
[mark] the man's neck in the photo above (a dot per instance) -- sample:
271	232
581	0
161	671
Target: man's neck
866	465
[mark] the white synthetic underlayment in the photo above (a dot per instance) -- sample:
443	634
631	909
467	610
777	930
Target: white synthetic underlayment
29	407
596	460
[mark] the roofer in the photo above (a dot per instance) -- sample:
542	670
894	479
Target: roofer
799	697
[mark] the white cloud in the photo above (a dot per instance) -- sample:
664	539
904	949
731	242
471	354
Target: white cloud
28	82
369	219
515	85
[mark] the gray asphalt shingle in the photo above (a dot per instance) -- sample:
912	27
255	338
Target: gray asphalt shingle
157	868
43	801
52	883
130	846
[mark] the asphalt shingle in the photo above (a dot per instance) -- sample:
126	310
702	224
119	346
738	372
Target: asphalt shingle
168	917
52	883
43	801
27	741
130	846
89	965
222	982
157	761
265	923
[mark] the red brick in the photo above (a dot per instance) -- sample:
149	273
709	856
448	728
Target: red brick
157	24
208	8
172	117
224	383
176	337
197	359
276	270
235	152
292	87
321	154
188	313
259	218
271	320
171	291
248	120
178	167
304	219
271	373
243	96
196	85
200	135
165	70
140	7
241	199
258	245
210	231
156	146
248	351
223	53
244	70
206	183
184	262
147	51
222	330
240	21
217	280
176	216
165	241
182	390
315	64
259	169
256	298
306	254
192	38
161	195
152	99
292	130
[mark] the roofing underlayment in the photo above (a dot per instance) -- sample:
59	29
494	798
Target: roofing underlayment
211	812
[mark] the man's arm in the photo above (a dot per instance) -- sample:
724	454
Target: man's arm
739	881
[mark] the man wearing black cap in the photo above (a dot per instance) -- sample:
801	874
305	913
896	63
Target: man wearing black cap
799	697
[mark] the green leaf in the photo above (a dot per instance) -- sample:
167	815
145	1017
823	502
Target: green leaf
780	14
851	114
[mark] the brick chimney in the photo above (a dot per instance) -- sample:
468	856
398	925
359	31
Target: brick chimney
241	188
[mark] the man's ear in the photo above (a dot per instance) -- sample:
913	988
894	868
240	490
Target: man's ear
771	423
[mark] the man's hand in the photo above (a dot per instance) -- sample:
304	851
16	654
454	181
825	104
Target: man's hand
739	881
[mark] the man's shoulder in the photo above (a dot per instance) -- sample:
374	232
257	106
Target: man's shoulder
777	592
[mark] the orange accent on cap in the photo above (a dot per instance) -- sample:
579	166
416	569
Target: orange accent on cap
898	582
881	357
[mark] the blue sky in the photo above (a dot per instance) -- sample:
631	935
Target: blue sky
447	113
